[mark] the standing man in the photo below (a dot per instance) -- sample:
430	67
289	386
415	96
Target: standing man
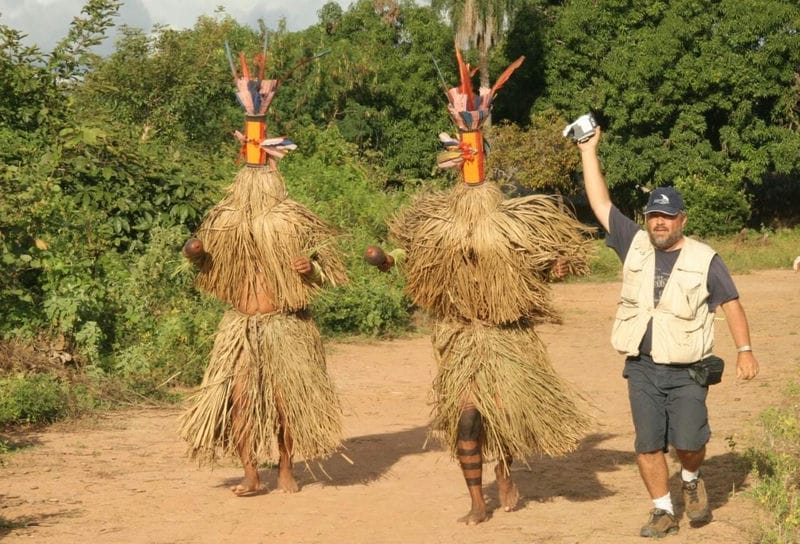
671	288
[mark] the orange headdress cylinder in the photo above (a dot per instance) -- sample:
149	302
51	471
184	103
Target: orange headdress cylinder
469	111
255	94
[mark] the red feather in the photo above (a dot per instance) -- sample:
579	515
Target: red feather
245	69
466	80
506	74
261	64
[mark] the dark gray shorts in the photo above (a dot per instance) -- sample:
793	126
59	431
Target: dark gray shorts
668	407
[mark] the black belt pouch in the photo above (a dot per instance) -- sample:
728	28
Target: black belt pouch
708	371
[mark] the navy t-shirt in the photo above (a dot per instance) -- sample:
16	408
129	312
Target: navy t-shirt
720	285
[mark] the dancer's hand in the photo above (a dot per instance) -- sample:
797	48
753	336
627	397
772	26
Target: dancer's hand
194	251
560	269
375	256
302	265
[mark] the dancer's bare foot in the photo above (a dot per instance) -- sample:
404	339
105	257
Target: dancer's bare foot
287	483
248	486
474	516
506	489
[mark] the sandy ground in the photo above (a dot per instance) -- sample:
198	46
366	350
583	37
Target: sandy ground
123	477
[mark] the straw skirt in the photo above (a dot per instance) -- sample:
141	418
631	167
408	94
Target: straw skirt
505	372
273	363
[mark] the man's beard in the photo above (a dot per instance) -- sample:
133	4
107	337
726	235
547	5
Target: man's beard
664	243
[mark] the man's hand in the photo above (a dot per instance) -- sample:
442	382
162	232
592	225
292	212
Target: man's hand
591	143
746	365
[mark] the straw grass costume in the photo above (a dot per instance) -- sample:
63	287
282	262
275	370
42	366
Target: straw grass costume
270	366
480	263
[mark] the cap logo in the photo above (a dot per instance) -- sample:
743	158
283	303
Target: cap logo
661	199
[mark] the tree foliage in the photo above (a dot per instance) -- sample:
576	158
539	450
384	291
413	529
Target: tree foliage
81	196
694	90
169	86
537	157
378	85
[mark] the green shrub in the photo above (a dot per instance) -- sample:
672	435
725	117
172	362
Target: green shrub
165	326
366	306
704	206
38	398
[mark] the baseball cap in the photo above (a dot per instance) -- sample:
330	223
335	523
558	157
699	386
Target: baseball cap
664	200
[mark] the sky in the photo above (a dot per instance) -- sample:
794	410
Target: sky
46	21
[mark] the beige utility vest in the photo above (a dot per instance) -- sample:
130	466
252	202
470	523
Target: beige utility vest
683	328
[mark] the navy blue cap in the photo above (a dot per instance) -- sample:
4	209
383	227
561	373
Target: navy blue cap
664	200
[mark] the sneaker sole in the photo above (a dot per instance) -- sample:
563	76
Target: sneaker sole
701	516
656	534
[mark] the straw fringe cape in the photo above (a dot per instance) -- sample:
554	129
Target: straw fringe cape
254	232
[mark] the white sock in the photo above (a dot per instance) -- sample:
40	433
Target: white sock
687	476
664	503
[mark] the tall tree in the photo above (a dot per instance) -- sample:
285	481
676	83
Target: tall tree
477	23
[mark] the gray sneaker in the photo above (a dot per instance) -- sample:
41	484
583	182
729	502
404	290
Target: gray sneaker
695	500
661	524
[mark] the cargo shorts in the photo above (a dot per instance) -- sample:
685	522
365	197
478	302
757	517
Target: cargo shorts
668	407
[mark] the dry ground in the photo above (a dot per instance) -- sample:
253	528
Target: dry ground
123	477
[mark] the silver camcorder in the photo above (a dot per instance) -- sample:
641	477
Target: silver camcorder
581	129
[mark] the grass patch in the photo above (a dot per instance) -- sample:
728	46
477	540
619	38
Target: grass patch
758	250
7	524
39	398
604	265
775	464
743	253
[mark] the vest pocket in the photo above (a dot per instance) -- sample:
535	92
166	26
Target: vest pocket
629	326
680	340
688	299
631	284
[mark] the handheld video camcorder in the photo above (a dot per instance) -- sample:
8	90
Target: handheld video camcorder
581	129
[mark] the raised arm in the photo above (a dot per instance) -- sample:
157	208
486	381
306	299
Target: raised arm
593	181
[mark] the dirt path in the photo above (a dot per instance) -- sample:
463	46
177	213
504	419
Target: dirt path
124	479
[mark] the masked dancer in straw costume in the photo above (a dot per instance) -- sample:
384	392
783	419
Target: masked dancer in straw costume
480	263
266	393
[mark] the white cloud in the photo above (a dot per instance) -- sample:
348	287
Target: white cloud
46	21
43	21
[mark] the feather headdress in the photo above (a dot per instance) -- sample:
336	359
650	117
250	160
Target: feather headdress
255	93
469	111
